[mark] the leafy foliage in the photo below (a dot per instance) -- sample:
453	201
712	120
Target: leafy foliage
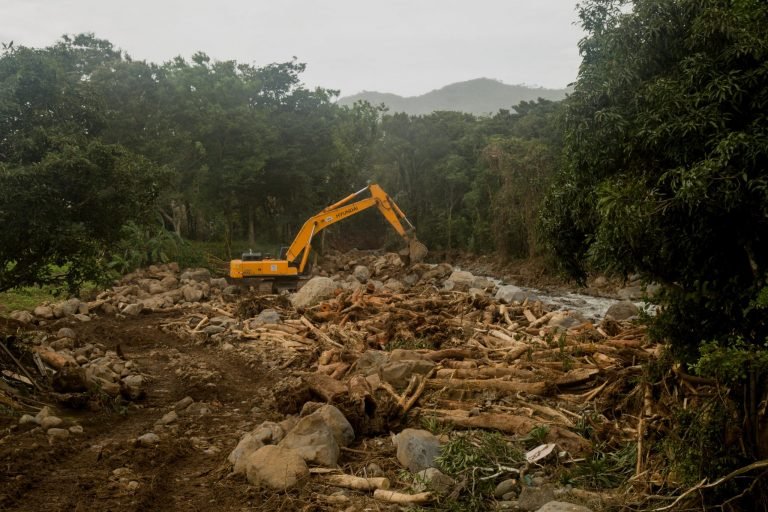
665	159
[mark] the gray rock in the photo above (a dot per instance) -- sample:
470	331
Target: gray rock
335	419
533	498
361	273
57	433
192	293
80	317
133	309
267	316
169	282
75	429
631	293
149	439
183	403
133	387
50	422
275	467
66	308
42	414
168	418
509	293
371	360
462	280
214	329
44	312
432	479
398	373
24	317
622	311
394	285
561	506
247	446
416	449
219	282
563	321
27	419
200	275
314	441
314	291
505	487
440	271
66	332
232	290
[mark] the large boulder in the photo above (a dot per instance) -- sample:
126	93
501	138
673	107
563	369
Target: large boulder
335	419
24	317
510	293
314	291
462	280
44	312
623	310
67	308
267	316
398	373
361	273
200	275
276	467
314	441
417	449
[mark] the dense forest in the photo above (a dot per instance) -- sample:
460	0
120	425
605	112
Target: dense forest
654	164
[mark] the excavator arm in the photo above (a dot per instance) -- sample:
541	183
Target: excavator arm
297	255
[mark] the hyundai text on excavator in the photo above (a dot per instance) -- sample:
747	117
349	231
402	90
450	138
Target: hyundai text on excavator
291	269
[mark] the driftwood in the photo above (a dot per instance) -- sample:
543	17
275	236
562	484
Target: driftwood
357	482
509	386
402	498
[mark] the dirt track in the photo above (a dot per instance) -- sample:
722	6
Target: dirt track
77	474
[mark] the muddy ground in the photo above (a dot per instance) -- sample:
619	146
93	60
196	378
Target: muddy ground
78	474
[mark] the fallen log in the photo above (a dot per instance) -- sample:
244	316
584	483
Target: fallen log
509	386
401	498
484	373
357	482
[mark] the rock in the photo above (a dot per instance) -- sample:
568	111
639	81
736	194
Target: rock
373	470
314	441
132	485
600	281
394	285
80	317
432	479
183	403
42	414
438	272
563	321
192	293
631	293
219	283
371	360
200	275
267	316
24	317
361	273
226	347
416	449
66	332
276	467
66	308
149	439
76	429
232	290
247	446
622	311
533	498
398	373
505	487
27	419
448	285
214	329
510	293
561	506
133	387
133	309
63	343
331	416
44	312
57	433
168	418
50	422
314	291
462	280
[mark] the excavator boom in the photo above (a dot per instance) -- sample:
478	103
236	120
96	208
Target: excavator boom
282	273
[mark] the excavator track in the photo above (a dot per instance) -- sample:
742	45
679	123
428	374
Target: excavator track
268	285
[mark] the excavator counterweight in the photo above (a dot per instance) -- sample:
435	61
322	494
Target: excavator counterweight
290	270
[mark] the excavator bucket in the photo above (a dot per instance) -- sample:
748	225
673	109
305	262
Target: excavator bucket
415	252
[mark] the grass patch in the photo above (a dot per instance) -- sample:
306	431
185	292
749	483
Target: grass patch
26	298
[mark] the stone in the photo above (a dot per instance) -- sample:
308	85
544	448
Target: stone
76	429
133	387
133	309
42	414
440	271
80	317
314	441
509	293
398	373
335	419
200	275
561	506
394	285
416	449
373	470
156	288
505	487
563	321
533	498
276	467
63	343
226	347
57	433
371	360
183	403
24	317
214	329
27	419
149	439
132	485
224	321
313	292
50	422
622	311
66	308
631	293
66	332
219	283
432	479
232	290
247	446
192	293
600	281
44	312
462	280
267	316
168	418
361	273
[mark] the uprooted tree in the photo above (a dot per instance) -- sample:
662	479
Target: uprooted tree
665	172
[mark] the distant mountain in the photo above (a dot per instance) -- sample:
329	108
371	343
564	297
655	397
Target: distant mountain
481	96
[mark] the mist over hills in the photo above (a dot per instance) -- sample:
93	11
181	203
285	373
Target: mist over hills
481	96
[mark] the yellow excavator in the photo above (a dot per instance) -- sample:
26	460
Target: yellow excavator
290	270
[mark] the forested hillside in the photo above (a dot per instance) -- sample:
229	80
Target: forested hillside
481	97
223	151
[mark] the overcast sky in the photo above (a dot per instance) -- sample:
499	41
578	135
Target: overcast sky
407	47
